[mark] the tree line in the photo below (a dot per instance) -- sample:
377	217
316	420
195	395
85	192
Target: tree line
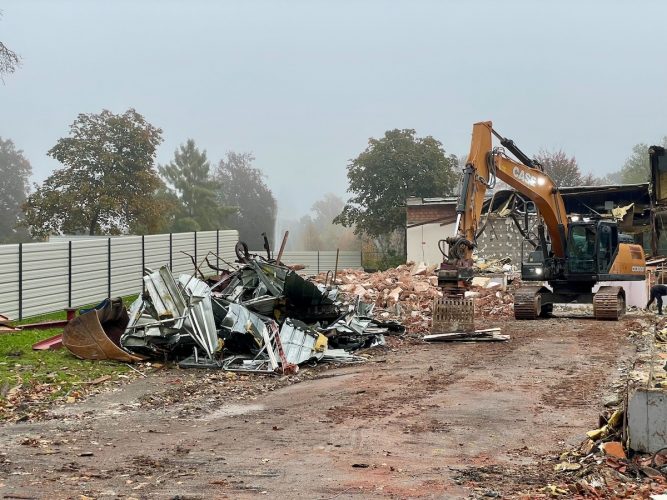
110	184
400	165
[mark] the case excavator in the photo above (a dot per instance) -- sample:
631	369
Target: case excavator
571	255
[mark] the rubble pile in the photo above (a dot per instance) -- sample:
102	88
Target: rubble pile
261	317
406	293
611	461
602	467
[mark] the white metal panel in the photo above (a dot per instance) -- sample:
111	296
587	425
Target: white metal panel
9	280
181	263
89	271
156	247
206	245
126	270
228	240
322	261
346	260
45	277
46	268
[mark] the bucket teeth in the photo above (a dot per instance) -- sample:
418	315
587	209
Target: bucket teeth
453	314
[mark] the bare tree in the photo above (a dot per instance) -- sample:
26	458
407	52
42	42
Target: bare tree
9	60
563	169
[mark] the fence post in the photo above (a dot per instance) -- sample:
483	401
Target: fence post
195	249
217	246
143	263
171	266
109	267
69	273
20	281
318	262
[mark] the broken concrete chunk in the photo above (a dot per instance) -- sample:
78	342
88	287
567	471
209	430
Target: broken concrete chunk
394	294
419	269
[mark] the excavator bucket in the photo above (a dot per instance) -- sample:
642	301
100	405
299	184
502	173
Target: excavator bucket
96	333
452	315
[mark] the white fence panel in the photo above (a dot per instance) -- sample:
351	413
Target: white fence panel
346	260
90	271
45	278
227	243
156	248
9	280
320	261
126	270
37	278
183	243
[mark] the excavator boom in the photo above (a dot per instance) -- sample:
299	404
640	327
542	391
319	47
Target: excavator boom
573	258
484	165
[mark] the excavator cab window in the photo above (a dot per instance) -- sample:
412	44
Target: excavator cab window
581	248
607	245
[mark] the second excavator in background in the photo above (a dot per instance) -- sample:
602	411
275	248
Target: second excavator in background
572	255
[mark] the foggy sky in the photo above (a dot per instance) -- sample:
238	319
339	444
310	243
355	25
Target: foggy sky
304	84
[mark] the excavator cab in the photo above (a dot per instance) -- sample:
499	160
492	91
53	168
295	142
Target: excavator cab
591	248
581	246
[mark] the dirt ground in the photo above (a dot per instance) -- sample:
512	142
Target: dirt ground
418	420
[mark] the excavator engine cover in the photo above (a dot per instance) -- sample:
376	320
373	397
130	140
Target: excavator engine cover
453	314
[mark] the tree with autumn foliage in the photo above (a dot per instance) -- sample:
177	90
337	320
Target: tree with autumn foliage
387	172
108	184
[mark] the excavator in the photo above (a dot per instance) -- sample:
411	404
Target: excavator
572	255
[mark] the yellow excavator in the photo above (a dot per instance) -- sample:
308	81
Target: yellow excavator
572	256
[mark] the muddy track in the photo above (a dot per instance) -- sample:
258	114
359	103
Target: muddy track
446	420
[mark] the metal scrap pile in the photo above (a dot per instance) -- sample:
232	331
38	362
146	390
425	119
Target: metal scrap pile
405	294
261	317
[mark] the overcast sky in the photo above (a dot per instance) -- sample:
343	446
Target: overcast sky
304	84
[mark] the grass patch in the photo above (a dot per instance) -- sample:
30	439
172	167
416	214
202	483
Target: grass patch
29	378
19	364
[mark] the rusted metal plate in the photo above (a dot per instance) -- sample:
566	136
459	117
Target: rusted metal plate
96	334
50	344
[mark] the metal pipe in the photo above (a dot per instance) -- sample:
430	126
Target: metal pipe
20	281
69	273
109	265
335	267
282	247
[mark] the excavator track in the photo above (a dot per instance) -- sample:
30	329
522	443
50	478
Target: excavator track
609	303
527	302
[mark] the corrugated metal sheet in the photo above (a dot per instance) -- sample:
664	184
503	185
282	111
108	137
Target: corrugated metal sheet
46	268
9	279
45	277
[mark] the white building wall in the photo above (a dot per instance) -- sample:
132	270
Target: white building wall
422	242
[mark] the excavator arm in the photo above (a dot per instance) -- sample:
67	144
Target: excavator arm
484	165
572	267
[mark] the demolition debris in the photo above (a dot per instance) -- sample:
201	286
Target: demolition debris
260	318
